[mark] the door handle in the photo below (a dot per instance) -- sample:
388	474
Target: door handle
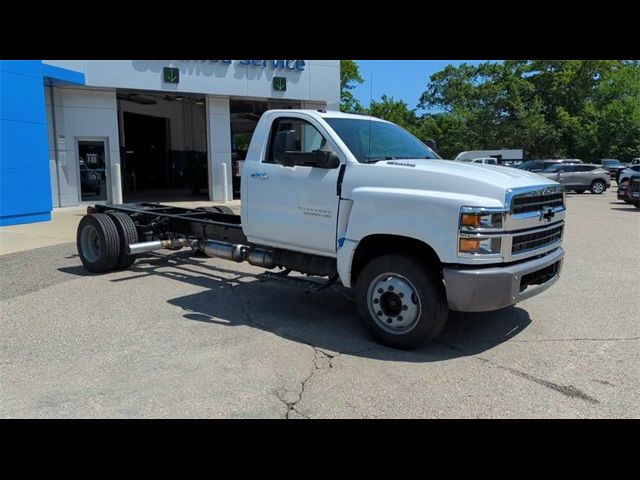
260	175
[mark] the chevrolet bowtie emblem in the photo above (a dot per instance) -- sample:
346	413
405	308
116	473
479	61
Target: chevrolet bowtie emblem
547	213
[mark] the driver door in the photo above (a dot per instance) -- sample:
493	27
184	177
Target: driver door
292	207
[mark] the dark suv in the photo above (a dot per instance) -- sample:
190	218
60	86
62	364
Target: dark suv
633	190
611	165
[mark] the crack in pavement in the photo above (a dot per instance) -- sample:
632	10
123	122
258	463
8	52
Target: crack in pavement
567	390
322	360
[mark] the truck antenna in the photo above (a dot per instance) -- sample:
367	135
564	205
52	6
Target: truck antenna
370	105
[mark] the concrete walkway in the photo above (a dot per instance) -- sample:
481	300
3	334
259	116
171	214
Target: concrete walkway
63	225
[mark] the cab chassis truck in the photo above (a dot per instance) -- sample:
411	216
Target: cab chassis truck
362	202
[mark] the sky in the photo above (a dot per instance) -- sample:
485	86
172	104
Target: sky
401	79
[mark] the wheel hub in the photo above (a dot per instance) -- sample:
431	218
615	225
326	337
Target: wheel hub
90	242
394	303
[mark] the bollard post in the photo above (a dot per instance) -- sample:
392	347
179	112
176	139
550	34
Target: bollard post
224	183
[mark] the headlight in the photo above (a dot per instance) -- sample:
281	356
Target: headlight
480	230
480	245
478	218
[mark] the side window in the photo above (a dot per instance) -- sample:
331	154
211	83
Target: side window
293	135
537	166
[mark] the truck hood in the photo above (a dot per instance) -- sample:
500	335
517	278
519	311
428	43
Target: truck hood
446	176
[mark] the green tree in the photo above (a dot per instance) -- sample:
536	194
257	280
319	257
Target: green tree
349	73
397	112
581	109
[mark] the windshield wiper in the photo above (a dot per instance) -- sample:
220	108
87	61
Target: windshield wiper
377	159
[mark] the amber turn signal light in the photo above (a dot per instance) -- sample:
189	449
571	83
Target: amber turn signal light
470	220
469	245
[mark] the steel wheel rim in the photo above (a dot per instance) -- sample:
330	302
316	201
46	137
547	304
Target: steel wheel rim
90	242
394	303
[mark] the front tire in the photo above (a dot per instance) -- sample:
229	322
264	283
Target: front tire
400	301
598	187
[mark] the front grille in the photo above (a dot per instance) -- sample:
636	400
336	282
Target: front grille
531	241
533	202
634	184
539	277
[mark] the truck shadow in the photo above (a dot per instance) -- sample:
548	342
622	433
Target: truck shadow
324	319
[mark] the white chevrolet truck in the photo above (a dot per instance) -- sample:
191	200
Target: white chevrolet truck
364	203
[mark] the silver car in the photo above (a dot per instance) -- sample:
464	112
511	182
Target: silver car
579	177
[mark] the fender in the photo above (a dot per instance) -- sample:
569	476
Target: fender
429	216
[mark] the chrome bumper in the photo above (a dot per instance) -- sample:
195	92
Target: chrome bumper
493	288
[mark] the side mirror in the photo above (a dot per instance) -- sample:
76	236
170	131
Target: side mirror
432	145
317	158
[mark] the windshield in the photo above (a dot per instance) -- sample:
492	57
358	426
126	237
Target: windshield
371	141
612	163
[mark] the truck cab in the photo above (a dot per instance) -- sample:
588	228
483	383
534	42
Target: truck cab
485	236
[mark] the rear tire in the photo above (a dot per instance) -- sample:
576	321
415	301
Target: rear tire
98	242
598	187
128	234
391	286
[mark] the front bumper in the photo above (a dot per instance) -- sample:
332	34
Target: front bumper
493	288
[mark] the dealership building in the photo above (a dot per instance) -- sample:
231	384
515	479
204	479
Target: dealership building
121	131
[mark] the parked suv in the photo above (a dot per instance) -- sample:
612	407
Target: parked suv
625	174
537	166
612	166
633	190
579	177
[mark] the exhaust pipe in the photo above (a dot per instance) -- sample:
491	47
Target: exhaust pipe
144	247
239	253
227	251
261	258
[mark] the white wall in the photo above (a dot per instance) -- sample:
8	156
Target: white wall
82	113
319	81
219	119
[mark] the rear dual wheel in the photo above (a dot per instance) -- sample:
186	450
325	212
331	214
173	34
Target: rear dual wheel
102	241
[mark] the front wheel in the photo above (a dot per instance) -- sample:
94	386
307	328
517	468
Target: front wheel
400	301
598	187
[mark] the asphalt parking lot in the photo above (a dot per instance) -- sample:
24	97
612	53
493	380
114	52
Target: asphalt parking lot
177	336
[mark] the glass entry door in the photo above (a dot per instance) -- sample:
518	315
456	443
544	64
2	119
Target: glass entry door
93	173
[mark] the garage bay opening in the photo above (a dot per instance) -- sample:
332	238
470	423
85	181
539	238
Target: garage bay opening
163	143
